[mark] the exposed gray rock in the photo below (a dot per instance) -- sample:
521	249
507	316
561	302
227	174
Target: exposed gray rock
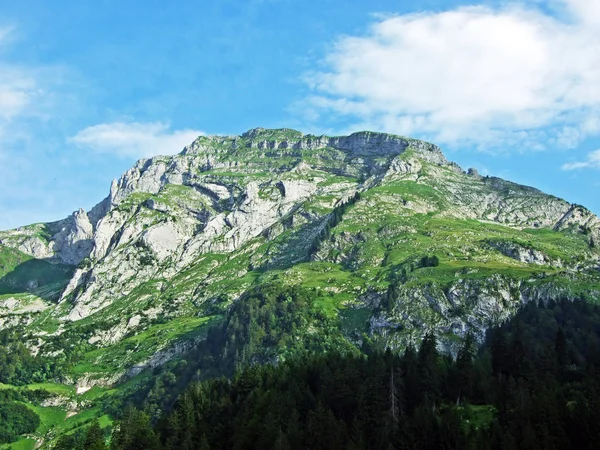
163	239
163	356
74	241
29	240
473	173
13	305
468	305
520	253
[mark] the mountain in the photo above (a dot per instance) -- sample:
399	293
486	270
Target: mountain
370	239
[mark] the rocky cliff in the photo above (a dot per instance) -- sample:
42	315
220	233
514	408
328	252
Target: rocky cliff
179	238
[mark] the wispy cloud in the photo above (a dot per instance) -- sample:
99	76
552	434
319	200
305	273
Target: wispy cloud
41	103
134	139
474	74
17	86
591	162
29	93
15	92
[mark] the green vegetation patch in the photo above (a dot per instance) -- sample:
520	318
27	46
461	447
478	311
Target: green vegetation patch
22	444
140	346
16	420
20	273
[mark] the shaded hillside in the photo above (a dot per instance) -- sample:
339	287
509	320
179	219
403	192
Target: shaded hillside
533	385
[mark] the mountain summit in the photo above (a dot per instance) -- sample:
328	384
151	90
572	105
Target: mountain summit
387	236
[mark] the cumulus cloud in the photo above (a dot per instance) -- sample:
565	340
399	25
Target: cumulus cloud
591	162
475	74
134	139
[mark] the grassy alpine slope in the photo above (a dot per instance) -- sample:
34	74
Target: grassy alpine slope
384	237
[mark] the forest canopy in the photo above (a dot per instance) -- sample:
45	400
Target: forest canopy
533	384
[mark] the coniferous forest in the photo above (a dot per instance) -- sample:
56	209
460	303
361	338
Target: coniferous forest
533	384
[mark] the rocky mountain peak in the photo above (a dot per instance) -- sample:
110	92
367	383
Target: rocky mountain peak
359	144
358	219
271	134
223	193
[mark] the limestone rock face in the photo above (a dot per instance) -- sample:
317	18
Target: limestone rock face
178	236
67	241
29	240
580	219
520	253
126	241
74	240
162	239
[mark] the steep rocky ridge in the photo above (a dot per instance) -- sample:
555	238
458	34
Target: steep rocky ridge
180	238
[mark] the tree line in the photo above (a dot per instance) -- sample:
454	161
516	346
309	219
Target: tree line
19	367
533	384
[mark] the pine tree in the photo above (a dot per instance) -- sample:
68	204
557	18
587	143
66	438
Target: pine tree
394	400
464	366
411	378
561	349
499	352
204	445
391	295
517	350
428	358
134	432
94	439
67	442
282	442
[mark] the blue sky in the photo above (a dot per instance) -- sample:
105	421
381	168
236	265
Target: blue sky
88	87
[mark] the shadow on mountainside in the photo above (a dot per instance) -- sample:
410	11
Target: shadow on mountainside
283	254
39	277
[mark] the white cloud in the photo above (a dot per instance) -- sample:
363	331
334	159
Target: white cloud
17	86
472	74
26	93
134	139
592	162
16	92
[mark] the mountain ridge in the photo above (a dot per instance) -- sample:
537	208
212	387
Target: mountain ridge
378	143
179	239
